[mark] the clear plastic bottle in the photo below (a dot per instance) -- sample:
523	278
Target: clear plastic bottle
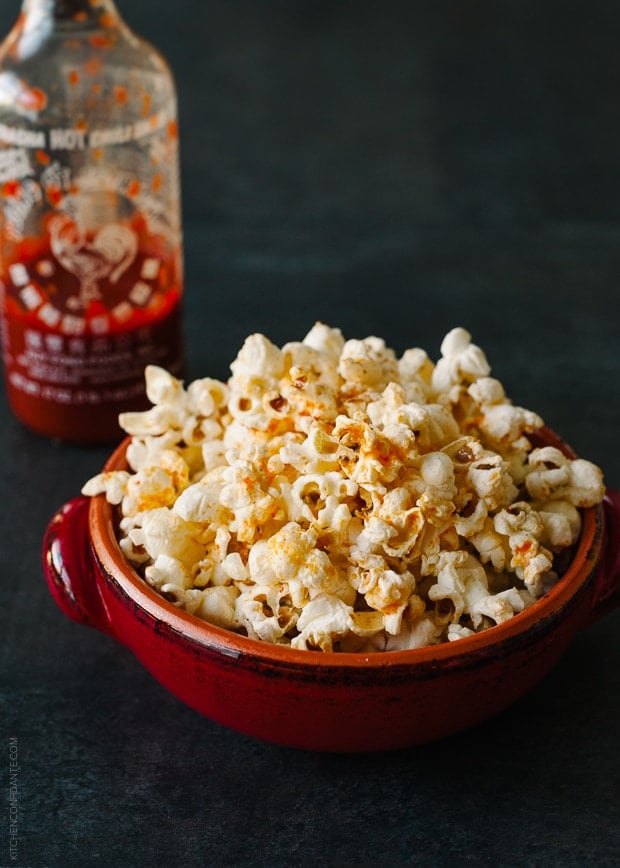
90	232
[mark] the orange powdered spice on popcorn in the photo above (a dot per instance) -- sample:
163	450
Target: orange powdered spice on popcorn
12	189
54	194
121	94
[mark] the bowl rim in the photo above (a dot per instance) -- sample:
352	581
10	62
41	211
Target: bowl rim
541	615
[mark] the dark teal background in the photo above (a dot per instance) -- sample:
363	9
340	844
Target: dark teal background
389	168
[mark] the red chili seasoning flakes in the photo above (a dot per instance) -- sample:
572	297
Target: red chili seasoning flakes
133	188
12	189
54	195
157	182
146	104
73	76
173	129
121	95
81	126
106	20
43	158
97	154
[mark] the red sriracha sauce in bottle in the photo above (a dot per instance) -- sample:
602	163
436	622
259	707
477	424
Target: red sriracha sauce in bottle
90	226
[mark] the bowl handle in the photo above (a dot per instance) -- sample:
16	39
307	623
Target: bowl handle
606	594
69	568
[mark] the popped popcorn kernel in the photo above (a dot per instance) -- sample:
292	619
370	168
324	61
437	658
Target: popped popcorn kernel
335	497
113	485
553	476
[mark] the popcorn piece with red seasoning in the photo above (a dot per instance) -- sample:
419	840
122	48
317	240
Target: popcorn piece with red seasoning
365	455
250	504
148	489
430	425
523	527
306	570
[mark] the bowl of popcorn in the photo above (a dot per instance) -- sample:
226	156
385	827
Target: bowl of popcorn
338	548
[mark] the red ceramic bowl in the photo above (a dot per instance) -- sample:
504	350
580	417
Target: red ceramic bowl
327	701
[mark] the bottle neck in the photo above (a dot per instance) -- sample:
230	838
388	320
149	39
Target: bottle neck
72	12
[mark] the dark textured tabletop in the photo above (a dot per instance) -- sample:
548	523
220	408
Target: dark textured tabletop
394	169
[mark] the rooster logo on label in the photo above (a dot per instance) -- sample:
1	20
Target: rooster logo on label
106	256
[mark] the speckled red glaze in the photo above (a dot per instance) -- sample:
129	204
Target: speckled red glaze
327	701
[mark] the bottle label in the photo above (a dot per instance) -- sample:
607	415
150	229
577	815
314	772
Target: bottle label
91	259
77	139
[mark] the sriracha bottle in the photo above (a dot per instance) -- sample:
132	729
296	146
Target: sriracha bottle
90	226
